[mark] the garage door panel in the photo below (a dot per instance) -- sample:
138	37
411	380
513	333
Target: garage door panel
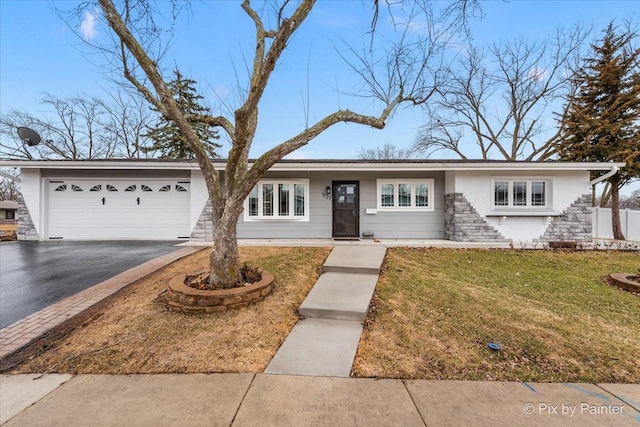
104	209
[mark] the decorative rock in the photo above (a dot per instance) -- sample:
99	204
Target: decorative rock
462	222
574	225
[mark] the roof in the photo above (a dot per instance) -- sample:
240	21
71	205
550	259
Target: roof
8	204
316	165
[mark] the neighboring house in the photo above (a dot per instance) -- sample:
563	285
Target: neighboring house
404	199
8	209
8	218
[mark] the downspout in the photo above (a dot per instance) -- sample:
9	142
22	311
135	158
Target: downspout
613	171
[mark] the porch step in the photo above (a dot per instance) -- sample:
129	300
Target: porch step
348	258
318	347
340	296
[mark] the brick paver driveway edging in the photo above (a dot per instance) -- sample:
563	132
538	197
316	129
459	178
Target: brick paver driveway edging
24	331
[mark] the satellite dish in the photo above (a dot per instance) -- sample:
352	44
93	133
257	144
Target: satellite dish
29	136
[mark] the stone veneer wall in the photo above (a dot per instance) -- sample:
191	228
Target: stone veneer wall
573	225
462	223
203	231
26	229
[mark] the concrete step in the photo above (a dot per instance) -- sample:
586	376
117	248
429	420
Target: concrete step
318	347
340	296
355	259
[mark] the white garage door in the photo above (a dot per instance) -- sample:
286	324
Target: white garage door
113	210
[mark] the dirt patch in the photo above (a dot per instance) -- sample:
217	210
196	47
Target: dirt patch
135	333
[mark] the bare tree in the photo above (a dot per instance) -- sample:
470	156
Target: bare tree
126	124
387	151
497	99
79	127
407	78
9	184
74	132
632	201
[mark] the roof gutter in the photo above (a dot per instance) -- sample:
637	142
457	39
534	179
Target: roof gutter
613	171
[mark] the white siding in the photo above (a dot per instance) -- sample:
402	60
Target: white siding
565	187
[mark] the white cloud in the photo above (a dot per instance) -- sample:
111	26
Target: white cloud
222	91
88	25
537	73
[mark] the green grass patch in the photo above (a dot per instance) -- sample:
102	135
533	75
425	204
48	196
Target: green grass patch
551	311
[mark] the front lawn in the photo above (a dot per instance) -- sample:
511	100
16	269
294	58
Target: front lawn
136	333
551	311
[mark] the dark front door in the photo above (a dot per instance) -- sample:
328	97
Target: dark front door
346	209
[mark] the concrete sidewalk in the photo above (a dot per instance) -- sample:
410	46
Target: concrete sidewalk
325	341
283	400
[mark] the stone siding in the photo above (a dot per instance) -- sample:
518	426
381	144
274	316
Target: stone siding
462	223
26	229
203	231
574	225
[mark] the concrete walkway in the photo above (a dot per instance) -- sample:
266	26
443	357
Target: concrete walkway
283	400
325	341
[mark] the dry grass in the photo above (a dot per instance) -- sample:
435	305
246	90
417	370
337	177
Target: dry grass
552	312
138	335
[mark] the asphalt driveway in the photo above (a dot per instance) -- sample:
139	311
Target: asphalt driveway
34	275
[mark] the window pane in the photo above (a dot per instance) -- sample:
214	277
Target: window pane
501	193
386	195
422	195
299	194
267	199
253	202
283	199
519	193
404	195
538	196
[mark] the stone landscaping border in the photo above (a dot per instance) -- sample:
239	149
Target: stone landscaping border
183	298
621	280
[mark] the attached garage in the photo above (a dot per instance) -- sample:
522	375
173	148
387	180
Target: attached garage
108	209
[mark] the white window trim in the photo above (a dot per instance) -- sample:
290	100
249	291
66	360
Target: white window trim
413	207
278	218
528	207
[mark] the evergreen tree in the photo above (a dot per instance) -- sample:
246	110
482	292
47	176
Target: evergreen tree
601	122
166	136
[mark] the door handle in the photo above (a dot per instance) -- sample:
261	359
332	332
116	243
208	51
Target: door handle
138	200
103	200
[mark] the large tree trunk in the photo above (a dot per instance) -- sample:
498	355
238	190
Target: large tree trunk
224	263
615	209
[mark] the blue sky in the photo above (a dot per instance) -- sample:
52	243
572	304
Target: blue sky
40	53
